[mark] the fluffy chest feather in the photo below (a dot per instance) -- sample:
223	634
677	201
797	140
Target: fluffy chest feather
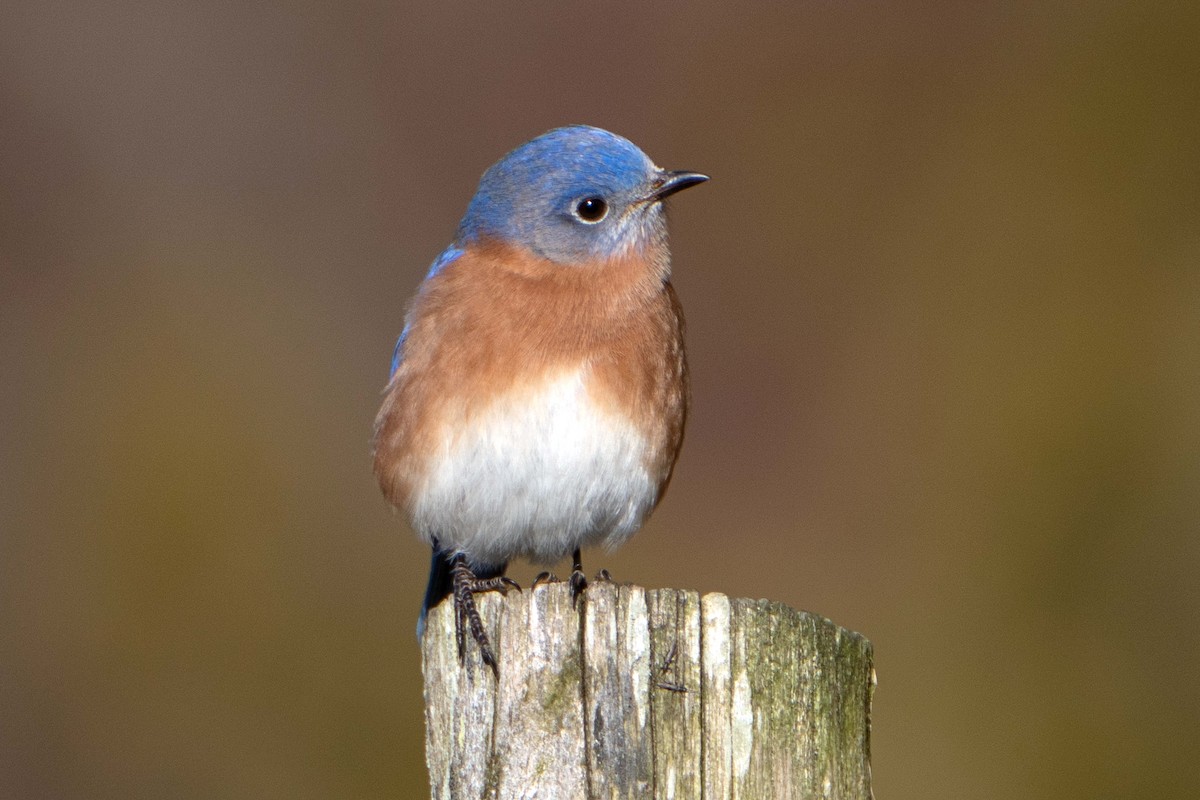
539	471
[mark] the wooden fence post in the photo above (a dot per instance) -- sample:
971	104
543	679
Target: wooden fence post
647	693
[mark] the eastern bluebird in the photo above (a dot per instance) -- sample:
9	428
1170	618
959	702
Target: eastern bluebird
539	389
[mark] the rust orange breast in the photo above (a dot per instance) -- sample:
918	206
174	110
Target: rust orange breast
499	321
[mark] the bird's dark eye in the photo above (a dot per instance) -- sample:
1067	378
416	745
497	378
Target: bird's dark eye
591	209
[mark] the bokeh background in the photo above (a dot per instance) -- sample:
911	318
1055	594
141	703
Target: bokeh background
944	307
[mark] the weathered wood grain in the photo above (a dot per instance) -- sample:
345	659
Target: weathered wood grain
637	693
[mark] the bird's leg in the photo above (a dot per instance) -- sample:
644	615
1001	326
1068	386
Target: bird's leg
577	580
466	585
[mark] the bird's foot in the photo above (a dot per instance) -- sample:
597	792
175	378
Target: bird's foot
578	580
578	583
466	615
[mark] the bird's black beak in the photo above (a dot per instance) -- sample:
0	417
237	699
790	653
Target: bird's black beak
671	181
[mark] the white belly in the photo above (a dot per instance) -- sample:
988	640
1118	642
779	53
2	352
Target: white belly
536	475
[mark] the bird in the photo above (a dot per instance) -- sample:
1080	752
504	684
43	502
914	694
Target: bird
539	388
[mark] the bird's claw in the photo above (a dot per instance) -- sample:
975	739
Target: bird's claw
543	577
502	585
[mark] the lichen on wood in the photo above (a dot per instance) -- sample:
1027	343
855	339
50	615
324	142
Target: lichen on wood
634	693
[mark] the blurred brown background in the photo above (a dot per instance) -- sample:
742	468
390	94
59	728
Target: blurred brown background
944	306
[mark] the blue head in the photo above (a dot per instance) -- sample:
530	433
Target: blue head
572	195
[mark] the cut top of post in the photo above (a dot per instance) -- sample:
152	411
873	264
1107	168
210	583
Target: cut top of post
641	693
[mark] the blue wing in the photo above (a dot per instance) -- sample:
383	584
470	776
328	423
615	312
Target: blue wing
448	255
398	353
